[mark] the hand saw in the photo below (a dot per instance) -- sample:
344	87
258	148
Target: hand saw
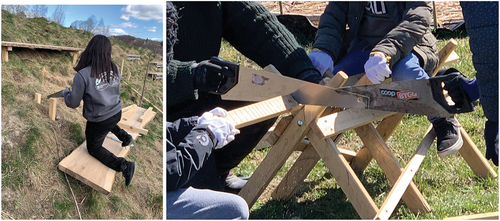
425	96
56	94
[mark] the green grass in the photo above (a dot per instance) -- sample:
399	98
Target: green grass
448	184
76	132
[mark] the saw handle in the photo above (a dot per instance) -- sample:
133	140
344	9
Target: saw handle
231	72
438	95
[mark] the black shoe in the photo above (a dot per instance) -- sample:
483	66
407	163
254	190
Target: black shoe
449	138
128	140
129	172
233	183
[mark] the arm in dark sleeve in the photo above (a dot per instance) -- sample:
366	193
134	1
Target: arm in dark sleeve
179	82
400	40
331	28
258	35
188	147
75	96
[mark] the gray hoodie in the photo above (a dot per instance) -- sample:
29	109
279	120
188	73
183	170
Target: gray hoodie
101	100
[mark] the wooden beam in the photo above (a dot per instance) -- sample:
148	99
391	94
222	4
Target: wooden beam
52	108
133	128
38	98
261	111
342	121
481	216
385	129
148	118
344	175
75	57
406	176
149	110
444	53
391	166
475	158
5	54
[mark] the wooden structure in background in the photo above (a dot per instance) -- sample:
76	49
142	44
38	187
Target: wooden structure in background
82	166
155	76
133	57
7	46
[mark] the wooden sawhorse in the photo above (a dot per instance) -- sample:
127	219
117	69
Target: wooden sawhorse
308	121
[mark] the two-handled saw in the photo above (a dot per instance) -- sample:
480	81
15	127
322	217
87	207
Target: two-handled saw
425	96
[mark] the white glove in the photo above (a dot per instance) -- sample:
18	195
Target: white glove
376	68
322	61
223	130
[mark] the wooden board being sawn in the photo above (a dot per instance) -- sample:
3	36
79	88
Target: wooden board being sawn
82	166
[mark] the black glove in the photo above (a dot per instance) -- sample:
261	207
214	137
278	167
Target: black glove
459	86
207	76
311	75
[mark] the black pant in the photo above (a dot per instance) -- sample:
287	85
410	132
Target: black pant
96	132
228	157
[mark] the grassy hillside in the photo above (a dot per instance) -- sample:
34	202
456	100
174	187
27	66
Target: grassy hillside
33	145
448	184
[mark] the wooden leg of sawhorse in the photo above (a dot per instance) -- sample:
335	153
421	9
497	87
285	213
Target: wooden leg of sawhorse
406	176
391	167
385	129
477	162
344	175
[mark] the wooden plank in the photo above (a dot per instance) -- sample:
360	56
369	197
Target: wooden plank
81	165
444	53
475	158
349	119
38	98
52	108
297	173
149	110
255	113
130	107
148	118
75	57
385	129
40	46
344	175
5	54
278	130
391	167
482	216
133	128
406	176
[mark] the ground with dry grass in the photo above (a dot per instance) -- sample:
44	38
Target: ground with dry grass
33	145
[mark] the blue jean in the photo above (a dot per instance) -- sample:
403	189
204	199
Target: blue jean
192	203
407	68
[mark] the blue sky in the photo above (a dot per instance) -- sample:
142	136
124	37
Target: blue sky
141	21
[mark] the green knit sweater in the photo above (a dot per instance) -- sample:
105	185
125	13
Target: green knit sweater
248	26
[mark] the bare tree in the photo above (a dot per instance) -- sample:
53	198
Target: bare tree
39	10
16	9
58	15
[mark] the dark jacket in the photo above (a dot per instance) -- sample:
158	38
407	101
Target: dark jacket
411	33
248	26
188	148
101	100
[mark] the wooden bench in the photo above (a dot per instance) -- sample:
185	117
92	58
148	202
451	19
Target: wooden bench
82	166
7	46
133	57
158	64
155	75
320	125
